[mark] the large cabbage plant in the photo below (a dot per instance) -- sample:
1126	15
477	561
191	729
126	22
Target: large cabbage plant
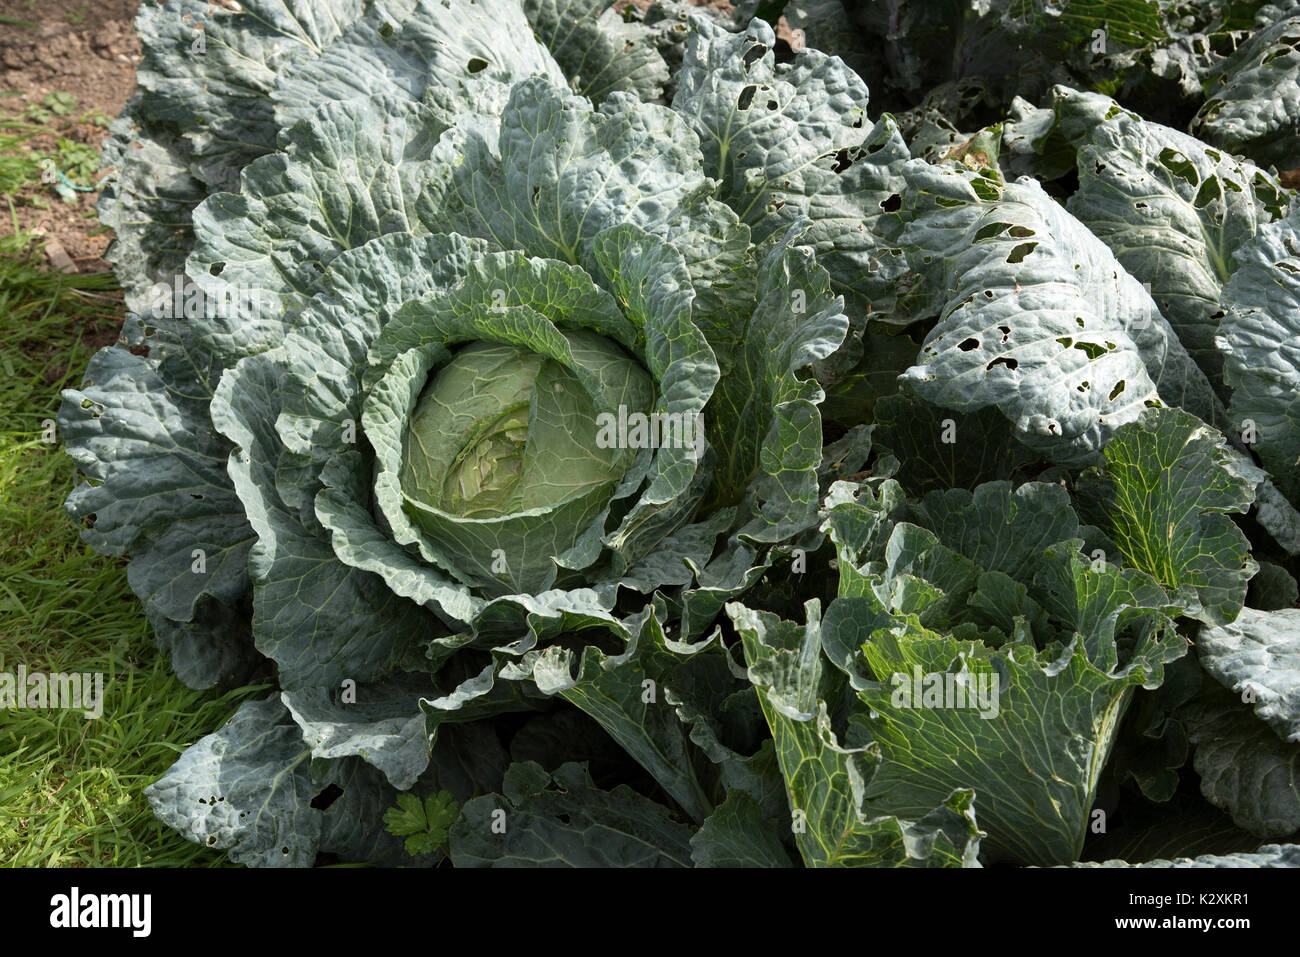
610	445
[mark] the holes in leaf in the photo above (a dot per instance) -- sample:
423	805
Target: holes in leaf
1007	361
1119	387
1289	267
1079	321
327	797
1153	404
947	203
1020	232
1066	342
1278	51
1090	349
537	194
1179	165
1138	205
1099	167
989	230
1208	193
1006	332
476	64
969	344
843	160
1268	194
386	30
284	851
985	190
1083	386
216	268
746	96
773	105
988	293
753	55
1020	252
892	204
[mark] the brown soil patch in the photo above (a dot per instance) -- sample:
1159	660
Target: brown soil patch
86	48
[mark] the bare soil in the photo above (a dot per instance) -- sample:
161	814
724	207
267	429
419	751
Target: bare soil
86	49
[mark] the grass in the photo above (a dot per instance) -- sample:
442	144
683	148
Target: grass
71	788
19	167
27	174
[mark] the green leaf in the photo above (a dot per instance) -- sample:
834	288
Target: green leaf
826	780
939	449
152	473
1000	528
297	210
210	69
423	824
1257	656
1038	318
1270	855
1272	588
1172	209
380	722
943	712
407	818
764	416
1164	497
1253	97
626	693
560	173
1245	768
562	820
148	203
247	789
1183	828
737	835
1260	339
791	142
455	56
320	620
1035	755
599	50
